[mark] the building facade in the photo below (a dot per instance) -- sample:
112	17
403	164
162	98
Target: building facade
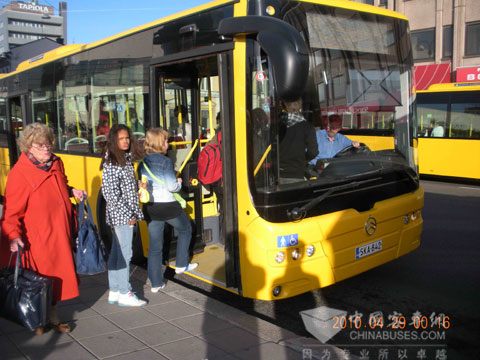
24	22
445	36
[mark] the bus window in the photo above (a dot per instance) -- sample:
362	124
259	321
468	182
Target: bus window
385	120
75	111
178	110
43	108
209	106
465	116
432	112
3	115
118	97
72	109
263	144
42	93
3	123
16	116
177	95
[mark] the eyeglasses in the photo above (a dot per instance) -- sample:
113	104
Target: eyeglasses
42	146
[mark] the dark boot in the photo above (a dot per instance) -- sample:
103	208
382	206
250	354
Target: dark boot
55	322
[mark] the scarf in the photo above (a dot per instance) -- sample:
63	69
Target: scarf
42	166
293	119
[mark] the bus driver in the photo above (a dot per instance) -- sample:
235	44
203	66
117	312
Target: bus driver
329	141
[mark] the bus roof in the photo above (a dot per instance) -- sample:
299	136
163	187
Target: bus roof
352	5
76	48
51	55
444	87
67	50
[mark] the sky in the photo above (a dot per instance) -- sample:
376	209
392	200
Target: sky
92	20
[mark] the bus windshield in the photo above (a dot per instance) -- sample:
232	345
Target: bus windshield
359	84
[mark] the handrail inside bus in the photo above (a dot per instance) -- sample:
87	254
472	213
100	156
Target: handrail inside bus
188	142
187	158
210	111
262	160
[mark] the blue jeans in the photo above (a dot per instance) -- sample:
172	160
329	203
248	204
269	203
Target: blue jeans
119	260
155	231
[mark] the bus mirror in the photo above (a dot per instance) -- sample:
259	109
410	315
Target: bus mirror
283	44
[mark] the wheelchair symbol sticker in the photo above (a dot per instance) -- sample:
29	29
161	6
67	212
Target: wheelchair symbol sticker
287	240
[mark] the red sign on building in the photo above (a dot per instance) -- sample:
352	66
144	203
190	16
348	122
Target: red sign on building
468	74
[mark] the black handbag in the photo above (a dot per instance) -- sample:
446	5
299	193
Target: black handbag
25	296
90	258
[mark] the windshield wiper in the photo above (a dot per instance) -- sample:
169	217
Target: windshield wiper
411	174
297	213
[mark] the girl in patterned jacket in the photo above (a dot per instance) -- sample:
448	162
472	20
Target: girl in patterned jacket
119	188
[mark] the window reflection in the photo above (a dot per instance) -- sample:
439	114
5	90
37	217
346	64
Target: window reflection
72	118
117	98
3	122
423	44
472	41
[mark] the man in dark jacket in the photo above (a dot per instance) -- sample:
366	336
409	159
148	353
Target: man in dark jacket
298	143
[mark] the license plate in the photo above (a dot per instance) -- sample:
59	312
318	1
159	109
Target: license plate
368	249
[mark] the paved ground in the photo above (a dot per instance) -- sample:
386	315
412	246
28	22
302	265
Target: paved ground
178	323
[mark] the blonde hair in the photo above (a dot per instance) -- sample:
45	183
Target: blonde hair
35	133
294	107
155	140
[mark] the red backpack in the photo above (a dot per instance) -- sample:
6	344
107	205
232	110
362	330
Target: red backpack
210	164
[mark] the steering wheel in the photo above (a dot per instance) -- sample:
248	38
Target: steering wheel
345	151
349	150
362	148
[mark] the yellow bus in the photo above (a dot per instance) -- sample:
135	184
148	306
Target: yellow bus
449	130
243	59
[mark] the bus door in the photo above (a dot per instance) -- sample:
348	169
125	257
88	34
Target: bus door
189	101
16	115
178	109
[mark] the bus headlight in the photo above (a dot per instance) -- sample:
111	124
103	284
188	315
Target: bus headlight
310	250
296	254
413	216
280	257
270	10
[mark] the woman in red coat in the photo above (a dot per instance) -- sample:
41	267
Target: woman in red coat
37	214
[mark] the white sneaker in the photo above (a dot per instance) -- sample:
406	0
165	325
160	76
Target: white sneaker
113	297
130	299
157	289
189	267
